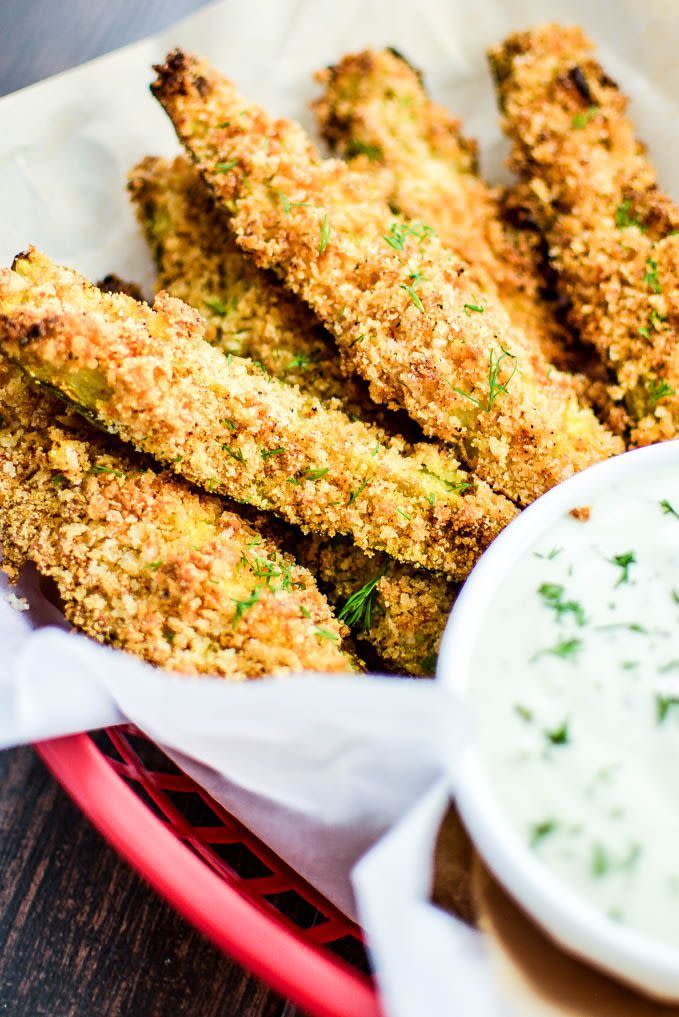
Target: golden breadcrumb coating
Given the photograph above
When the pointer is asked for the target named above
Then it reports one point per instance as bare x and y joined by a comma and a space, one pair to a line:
200, 264
399, 610
146, 374
375, 110
145, 563
397, 302
247, 312
612, 233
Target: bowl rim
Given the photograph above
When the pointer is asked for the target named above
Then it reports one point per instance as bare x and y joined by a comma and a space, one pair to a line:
576, 925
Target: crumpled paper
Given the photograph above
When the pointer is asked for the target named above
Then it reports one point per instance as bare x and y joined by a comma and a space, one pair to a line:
319, 767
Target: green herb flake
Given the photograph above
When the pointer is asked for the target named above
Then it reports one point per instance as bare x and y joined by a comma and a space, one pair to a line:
322, 633
357, 147
266, 453
235, 453
224, 167
357, 611
550, 555
315, 474
215, 305
624, 562
244, 605
663, 705
542, 830
400, 231
98, 469
495, 386
651, 277
402, 512
358, 492
410, 290
668, 509
625, 217
559, 735
553, 596
564, 649
325, 235
523, 712
469, 308
658, 389
585, 117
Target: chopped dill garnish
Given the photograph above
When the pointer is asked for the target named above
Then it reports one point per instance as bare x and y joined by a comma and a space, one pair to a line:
454, 486
671, 665
658, 389
228, 423
542, 830
153, 565
624, 562
559, 735
215, 305
601, 862
267, 452
651, 277
552, 594
410, 290
243, 605
288, 205
325, 235
468, 308
235, 453
59, 479
625, 217
663, 705
224, 167
301, 360
523, 712
315, 474
400, 231
306, 613
583, 118
97, 468
402, 512
358, 492
565, 649
357, 611
495, 387
357, 147
550, 554
668, 508
325, 634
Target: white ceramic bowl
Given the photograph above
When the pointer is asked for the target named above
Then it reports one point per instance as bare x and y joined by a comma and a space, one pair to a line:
566, 916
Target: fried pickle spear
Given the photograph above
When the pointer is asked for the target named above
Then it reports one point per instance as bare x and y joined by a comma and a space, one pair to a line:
247, 312
147, 374
396, 300
146, 564
612, 233
375, 111
399, 610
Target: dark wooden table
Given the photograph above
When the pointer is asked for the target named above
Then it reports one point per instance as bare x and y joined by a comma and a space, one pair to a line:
80, 934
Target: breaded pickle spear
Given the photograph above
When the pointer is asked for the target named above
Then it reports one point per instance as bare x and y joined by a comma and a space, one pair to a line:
612, 233
375, 110
145, 563
247, 312
397, 302
147, 374
399, 610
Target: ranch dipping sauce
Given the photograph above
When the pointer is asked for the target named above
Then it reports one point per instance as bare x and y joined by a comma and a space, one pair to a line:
575, 696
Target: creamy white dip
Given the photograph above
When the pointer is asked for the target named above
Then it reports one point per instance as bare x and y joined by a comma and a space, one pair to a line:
575, 695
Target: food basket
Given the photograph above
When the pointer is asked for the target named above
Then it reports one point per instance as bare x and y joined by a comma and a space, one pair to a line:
209, 867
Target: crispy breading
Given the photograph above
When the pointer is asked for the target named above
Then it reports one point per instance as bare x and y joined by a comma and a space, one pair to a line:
146, 564
399, 610
247, 311
250, 313
147, 374
397, 302
375, 110
612, 233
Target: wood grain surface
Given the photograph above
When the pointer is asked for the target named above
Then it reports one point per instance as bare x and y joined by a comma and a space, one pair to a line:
80, 934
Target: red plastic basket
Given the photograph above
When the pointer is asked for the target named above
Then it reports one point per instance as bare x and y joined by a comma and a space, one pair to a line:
215, 872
